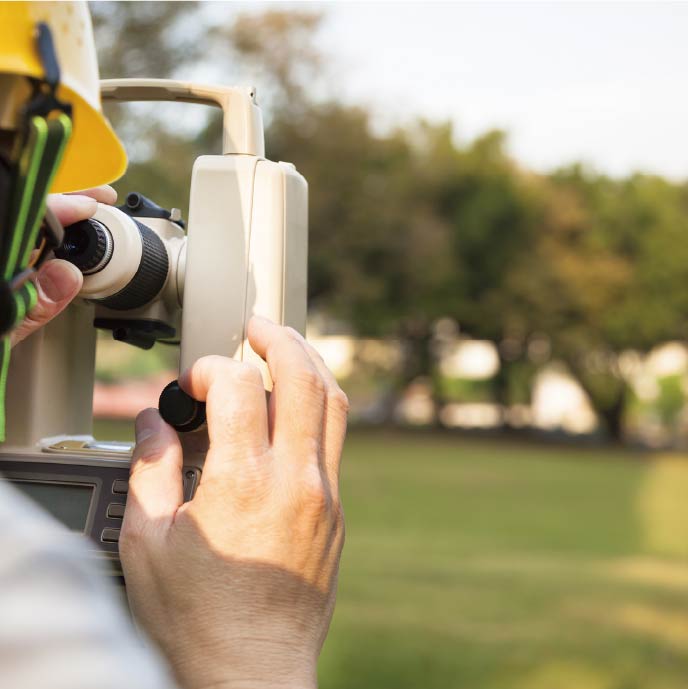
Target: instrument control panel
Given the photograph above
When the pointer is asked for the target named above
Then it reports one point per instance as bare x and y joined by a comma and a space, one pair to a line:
87, 494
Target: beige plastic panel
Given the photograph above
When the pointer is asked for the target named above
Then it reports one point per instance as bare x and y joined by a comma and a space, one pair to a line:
278, 251
216, 254
246, 254
50, 382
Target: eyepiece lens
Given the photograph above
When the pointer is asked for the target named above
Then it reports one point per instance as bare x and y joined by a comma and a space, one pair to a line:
86, 244
76, 242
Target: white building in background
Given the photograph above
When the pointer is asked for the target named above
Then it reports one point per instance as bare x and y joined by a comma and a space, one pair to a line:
558, 401
337, 351
471, 360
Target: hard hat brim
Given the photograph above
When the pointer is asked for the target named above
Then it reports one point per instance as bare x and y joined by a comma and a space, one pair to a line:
94, 154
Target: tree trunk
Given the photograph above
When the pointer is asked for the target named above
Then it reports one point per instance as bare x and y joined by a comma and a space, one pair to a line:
417, 361
500, 388
608, 399
613, 417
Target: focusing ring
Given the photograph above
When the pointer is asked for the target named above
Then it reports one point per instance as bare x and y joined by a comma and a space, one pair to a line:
150, 277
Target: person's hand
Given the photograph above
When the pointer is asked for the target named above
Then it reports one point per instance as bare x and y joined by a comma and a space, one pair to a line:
237, 586
58, 281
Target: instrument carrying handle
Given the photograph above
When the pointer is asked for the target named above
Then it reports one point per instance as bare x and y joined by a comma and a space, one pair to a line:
242, 119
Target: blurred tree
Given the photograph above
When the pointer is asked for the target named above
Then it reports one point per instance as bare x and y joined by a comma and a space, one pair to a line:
151, 40
608, 273
480, 194
146, 39
409, 228
276, 48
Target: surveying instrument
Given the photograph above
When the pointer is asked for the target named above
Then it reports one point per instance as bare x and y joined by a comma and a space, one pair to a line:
150, 277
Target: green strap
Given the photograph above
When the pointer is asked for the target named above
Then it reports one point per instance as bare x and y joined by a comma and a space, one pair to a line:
38, 164
29, 164
59, 131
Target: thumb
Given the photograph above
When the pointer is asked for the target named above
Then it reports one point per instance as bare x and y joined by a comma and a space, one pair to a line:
58, 282
155, 480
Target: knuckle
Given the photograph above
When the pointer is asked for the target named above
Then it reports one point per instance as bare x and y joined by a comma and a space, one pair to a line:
338, 516
145, 454
210, 360
209, 365
246, 372
293, 334
314, 495
314, 352
338, 400
310, 381
236, 427
339, 526
340, 537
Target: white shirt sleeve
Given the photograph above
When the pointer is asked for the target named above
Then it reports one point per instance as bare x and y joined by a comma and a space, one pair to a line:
61, 624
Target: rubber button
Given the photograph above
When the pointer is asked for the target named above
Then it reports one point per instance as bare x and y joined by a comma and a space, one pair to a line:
110, 535
115, 510
120, 486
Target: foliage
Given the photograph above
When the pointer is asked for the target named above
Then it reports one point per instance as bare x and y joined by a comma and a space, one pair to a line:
671, 399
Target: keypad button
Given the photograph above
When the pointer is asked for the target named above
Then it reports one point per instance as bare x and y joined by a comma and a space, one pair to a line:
120, 486
109, 535
115, 510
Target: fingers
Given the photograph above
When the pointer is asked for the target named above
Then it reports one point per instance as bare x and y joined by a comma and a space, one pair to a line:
155, 481
336, 413
58, 282
71, 208
102, 194
298, 395
236, 410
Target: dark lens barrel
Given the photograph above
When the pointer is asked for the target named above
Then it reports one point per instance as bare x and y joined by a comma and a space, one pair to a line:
150, 277
88, 245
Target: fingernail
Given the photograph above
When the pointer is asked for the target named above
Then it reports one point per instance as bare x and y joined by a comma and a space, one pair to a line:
59, 280
147, 424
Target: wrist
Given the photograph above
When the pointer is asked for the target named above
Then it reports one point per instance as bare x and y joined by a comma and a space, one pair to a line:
247, 666
275, 683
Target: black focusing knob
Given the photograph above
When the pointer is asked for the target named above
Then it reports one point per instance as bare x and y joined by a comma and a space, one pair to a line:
180, 410
88, 245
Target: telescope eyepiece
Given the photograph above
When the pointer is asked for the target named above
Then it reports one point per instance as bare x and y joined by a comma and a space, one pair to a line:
88, 245
125, 262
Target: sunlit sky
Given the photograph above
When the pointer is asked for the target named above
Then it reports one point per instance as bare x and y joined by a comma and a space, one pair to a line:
605, 83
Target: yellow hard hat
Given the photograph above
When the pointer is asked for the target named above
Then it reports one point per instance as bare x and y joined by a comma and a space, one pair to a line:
94, 154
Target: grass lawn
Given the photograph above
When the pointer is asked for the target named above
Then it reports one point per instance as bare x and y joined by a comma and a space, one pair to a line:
489, 565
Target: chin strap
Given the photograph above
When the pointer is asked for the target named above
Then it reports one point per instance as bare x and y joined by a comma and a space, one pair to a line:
46, 131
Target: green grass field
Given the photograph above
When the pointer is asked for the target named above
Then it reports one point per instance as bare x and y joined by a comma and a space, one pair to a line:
490, 565
485, 565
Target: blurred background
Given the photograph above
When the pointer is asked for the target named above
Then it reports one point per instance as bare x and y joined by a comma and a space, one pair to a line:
498, 276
